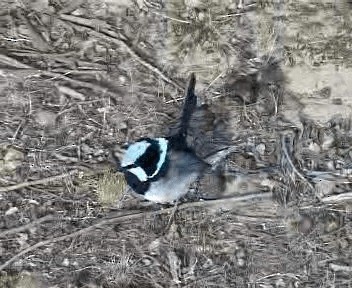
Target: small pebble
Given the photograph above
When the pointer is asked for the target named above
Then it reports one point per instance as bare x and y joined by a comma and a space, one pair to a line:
260, 148
241, 262
314, 147
337, 101
65, 263
34, 202
98, 152
11, 211
331, 226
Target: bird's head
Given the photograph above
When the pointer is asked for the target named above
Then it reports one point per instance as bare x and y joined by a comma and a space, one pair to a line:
143, 158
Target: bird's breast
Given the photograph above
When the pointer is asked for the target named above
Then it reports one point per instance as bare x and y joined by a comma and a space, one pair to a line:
184, 169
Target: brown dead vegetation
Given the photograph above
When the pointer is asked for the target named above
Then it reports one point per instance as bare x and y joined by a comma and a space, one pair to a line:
78, 77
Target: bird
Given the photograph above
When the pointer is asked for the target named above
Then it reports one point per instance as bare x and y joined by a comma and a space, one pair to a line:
162, 169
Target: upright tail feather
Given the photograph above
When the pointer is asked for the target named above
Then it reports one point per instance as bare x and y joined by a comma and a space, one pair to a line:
189, 104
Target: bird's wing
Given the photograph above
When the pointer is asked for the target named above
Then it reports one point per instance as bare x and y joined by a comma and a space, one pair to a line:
207, 133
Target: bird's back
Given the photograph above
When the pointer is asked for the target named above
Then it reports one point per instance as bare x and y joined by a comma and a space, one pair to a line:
184, 169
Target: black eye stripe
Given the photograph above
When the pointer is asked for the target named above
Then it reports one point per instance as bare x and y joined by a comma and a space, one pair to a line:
149, 160
150, 163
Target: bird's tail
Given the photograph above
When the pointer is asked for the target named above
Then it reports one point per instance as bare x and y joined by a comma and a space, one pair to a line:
189, 105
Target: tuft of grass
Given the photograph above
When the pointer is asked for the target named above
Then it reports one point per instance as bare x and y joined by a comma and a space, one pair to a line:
8, 281
110, 187
23, 280
119, 271
26, 281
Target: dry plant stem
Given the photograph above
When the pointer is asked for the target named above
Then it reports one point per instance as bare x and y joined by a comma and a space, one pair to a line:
171, 18
149, 66
293, 166
338, 198
200, 280
77, 82
257, 196
72, 6
341, 268
120, 40
27, 226
54, 75
13, 63
172, 216
37, 182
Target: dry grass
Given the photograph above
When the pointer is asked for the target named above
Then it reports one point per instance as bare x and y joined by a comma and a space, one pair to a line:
25, 280
110, 188
120, 272
78, 78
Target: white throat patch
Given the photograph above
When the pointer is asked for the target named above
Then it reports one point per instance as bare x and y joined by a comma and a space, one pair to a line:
139, 173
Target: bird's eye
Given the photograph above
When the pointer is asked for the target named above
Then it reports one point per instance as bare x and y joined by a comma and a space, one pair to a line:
125, 146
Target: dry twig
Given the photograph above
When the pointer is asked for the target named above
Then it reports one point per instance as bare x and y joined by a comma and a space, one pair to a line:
250, 197
338, 198
27, 226
38, 182
293, 166
120, 40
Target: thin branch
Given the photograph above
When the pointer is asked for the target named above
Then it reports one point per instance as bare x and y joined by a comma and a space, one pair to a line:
340, 268
338, 198
39, 73
27, 226
171, 18
37, 182
250, 197
214, 80
229, 15
120, 40
8, 61
293, 166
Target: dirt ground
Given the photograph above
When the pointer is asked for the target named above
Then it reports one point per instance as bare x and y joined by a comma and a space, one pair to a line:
273, 83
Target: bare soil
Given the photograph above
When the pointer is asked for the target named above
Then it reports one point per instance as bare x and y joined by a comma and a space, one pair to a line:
274, 84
